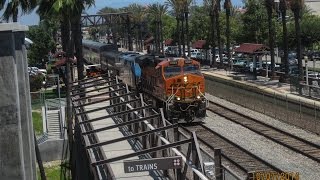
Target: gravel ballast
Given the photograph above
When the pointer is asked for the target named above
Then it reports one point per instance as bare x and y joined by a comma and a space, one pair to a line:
268, 120
274, 153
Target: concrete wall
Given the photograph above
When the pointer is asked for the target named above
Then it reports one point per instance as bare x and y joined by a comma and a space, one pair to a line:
52, 150
291, 109
17, 155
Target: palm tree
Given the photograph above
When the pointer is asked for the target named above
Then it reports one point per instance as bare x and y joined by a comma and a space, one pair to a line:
296, 7
176, 5
158, 10
216, 13
69, 12
180, 9
283, 10
210, 5
13, 7
79, 6
138, 15
227, 6
186, 16
269, 5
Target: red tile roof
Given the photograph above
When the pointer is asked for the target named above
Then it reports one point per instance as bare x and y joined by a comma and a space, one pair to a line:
251, 48
149, 40
199, 44
168, 42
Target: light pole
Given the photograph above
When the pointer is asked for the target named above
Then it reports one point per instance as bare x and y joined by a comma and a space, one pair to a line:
306, 65
267, 68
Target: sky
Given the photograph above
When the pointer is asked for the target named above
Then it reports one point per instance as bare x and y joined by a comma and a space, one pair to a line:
33, 18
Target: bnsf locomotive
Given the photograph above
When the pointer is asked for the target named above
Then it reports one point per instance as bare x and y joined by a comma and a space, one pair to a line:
175, 84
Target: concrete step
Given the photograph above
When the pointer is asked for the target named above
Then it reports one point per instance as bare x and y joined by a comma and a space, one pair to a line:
53, 122
53, 125
56, 127
53, 117
54, 133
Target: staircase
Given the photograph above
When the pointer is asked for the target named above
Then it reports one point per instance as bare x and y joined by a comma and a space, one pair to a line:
53, 124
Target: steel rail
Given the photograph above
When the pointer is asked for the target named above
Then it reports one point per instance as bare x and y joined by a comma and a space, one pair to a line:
311, 150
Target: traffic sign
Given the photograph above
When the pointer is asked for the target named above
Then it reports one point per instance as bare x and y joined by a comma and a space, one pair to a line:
140, 165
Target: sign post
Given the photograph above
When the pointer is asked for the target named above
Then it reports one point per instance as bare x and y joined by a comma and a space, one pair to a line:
152, 164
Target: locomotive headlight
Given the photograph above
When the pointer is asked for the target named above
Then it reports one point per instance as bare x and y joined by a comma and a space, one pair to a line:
178, 98
185, 79
198, 97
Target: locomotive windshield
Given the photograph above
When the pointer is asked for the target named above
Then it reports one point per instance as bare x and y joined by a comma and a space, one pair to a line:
193, 69
172, 71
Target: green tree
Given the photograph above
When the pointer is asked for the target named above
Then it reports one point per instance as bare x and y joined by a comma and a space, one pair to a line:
228, 6
137, 16
296, 7
157, 11
70, 13
217, 9
283, 9
269, 6
42, 44
168, 26
13, 7
107, 10
199, 24
177, 8
255, 22
210, 7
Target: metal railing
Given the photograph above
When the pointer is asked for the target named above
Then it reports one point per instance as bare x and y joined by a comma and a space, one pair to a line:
310, 89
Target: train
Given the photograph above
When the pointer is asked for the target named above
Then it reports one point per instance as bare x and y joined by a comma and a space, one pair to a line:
175, 84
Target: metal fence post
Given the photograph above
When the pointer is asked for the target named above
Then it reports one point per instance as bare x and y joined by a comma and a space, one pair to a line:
315, 116
287, 107
264, 111
274, 104
176, 139
195, 159
217, 164
300, 109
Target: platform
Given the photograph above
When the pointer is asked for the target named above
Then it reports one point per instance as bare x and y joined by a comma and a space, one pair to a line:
260, 85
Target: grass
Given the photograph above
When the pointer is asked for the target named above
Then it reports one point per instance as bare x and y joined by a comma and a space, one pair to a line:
37, 122
52, 172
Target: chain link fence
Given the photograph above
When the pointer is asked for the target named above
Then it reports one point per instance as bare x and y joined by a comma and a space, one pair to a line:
283, 107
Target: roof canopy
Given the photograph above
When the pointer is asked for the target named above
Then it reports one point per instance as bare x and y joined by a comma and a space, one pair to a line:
200, 44
168, 42
149, 40
251, 48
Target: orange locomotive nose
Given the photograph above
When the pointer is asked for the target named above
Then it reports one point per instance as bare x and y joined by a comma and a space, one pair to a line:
186, 86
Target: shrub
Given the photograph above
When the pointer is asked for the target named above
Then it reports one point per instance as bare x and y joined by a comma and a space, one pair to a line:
36, 82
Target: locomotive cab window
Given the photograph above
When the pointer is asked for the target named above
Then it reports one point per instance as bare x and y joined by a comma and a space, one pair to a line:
172, 71
194, 69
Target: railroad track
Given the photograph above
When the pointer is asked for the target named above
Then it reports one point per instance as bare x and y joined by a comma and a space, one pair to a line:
231, 153
286, 139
